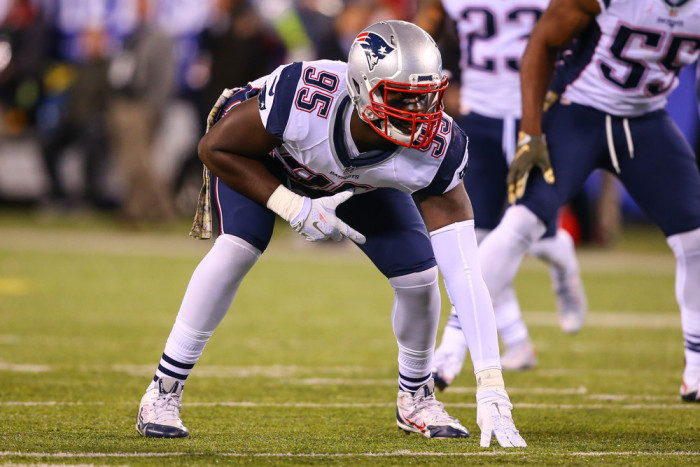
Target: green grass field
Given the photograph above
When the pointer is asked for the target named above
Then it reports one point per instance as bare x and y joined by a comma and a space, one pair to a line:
303, 368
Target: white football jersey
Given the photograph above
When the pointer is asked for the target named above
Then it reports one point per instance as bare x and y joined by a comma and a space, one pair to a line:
628, 62
493, 35
306, 105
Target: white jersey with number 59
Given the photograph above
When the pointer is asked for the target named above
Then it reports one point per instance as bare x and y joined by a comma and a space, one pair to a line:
493, 35
627, 62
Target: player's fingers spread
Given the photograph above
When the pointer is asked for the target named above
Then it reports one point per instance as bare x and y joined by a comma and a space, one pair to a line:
518, 441
485, 439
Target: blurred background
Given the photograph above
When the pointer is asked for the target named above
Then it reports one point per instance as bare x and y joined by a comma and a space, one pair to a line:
102, 102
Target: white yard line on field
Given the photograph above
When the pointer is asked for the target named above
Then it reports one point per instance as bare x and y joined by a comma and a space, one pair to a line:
611, 319
23, 368
84, 455
612, 404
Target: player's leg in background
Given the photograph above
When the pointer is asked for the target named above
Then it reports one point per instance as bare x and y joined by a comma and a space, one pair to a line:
557, 249
484, 181
398, 244
573, 158
664, 180
244, 233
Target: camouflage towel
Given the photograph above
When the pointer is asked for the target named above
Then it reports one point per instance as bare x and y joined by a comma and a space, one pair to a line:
201, 227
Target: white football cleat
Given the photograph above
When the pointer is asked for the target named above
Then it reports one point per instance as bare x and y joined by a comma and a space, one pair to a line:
449, 357
422, 413
159, 414
572, 305
519, 356
690, 388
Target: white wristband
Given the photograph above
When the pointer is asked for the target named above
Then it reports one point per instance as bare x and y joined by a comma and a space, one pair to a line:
489, 380
285, 203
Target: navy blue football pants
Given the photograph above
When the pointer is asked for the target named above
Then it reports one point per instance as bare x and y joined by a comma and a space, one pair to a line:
485, 177
397, 240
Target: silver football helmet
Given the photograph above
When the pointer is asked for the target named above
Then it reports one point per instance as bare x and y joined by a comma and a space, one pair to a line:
395, 81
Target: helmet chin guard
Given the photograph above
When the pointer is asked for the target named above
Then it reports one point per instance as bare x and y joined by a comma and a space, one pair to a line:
395, 81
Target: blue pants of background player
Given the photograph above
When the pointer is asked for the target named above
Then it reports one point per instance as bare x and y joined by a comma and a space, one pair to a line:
492, 144
657, 166
485, 177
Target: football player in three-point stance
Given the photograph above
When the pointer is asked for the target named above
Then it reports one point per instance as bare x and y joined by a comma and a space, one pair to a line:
612, 86
492, 38
347, 150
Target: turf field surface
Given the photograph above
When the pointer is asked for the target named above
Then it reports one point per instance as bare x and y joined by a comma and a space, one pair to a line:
303, 368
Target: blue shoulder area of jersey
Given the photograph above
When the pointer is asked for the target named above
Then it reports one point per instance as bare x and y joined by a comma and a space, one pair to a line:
281, 92
451, 162
239, 95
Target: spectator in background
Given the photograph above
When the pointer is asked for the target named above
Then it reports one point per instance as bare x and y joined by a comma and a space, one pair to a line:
355, 15
22, 53
237, 47
142, 78
185, 21
72, 114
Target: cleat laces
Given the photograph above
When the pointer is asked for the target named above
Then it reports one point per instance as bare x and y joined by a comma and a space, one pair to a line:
430, 411
166, 407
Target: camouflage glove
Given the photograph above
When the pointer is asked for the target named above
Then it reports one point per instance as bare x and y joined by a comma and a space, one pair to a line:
532, 151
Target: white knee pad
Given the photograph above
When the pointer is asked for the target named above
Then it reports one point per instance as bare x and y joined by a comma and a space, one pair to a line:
416, 309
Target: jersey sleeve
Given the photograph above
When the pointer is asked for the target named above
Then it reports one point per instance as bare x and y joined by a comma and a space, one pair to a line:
454, 162
277, 96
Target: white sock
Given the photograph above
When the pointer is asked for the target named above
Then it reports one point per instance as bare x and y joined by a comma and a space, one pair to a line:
453, 340
509, 320
559, 252
686, 248
502, 251
500, 255
414, 318
215, 282
511, 327
208, 297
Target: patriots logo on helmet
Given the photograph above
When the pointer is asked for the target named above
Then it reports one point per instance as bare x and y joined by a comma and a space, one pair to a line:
375, 47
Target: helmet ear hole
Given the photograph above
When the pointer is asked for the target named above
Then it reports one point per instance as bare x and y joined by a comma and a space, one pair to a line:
357, 86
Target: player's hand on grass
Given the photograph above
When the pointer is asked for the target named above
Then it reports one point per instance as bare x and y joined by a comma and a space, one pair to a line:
532, 151
494, 419
317, 220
